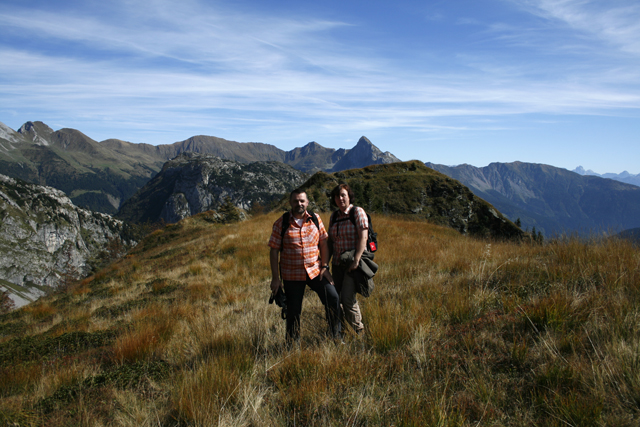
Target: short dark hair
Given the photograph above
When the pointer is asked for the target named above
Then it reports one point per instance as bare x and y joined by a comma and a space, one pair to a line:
296, 192
336, 191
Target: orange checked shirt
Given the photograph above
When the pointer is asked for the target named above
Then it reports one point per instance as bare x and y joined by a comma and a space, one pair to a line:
300, 254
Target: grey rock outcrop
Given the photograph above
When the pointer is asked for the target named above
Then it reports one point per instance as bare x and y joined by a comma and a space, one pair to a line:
193, 183
45, 239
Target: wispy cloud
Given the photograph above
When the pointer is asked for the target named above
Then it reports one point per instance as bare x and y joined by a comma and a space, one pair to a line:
164, 64
616, 22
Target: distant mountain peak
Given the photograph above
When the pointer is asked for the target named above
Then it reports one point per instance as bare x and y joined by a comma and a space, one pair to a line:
625, 176
364, 141
362, 155
580, 171
37, 132
312, 147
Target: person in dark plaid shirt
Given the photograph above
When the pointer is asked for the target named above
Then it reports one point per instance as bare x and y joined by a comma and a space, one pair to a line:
304, 261
346, 236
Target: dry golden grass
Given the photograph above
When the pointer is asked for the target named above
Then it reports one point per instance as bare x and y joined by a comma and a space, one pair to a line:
459, 332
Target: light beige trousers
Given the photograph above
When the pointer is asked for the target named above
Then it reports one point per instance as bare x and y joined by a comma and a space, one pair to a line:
346, 286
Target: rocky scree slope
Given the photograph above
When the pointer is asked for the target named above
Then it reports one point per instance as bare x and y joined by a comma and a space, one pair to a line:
193, 183
45, 239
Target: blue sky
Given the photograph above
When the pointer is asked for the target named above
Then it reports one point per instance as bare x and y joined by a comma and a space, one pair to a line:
454, 81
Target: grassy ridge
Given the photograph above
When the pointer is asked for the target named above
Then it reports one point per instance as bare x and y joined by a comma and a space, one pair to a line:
460, 332
413, 190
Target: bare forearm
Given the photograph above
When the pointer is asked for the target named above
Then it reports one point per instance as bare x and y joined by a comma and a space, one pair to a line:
324, 252
361, 244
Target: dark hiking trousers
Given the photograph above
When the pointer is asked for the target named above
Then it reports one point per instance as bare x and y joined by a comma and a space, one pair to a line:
294, 290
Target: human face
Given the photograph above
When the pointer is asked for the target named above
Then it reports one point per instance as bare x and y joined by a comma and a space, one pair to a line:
342, 200
299, 204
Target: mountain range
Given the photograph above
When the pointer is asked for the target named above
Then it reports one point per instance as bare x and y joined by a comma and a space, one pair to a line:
102, 175
551, 199
622, 177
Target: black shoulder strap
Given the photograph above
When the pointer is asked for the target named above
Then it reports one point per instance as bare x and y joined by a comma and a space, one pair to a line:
332, 220
314, 219
286, 222
352, 216
285, 226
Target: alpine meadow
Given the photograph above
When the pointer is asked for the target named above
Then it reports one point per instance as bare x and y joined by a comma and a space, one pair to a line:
149, 150
461, 331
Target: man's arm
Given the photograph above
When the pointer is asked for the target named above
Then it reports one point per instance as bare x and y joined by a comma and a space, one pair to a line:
324, 260
275, 271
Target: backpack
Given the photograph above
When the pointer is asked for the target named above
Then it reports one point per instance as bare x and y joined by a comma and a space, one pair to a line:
285, 224
372, 236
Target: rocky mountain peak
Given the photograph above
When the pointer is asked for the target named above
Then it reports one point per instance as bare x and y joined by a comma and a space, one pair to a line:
312, 147
37, 132
364, 141
364, 154
624, 176
581, 171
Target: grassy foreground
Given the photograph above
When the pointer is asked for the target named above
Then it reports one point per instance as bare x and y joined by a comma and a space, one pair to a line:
460, 332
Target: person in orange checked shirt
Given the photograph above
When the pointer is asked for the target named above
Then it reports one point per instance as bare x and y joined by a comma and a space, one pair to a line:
300, 256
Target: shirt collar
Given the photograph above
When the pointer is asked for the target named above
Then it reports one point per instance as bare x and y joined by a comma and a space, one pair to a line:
305, 217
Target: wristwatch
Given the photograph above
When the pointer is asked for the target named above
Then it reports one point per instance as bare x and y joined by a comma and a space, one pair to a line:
326, 266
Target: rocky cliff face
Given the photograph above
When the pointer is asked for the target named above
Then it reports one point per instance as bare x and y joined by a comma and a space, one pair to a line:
193, 183
45, 239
